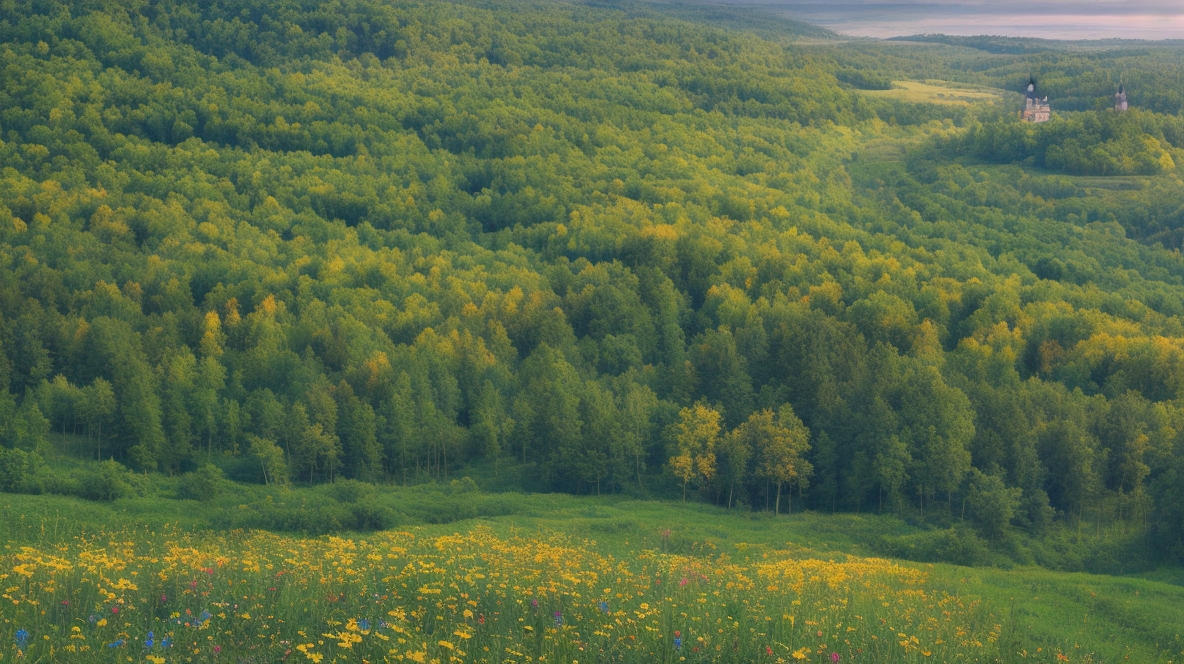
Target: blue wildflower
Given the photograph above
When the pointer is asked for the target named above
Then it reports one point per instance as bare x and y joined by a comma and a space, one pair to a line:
166, 642
364, 624
116, 644
603, 606
205, 616
150, 641
22, 638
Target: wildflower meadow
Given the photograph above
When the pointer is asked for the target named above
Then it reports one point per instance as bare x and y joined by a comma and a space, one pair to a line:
475, 597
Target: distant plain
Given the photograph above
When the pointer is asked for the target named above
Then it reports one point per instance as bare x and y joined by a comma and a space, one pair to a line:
1155, 19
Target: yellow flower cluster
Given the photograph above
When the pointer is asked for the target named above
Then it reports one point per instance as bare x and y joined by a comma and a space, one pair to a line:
468, 597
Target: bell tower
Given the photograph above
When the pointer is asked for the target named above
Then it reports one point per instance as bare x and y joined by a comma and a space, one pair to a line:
1035, 108
1120, 104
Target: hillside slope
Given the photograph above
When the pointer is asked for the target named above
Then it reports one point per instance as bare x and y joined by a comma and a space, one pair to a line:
378, 241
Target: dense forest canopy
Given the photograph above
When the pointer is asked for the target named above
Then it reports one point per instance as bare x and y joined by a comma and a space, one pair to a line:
611, 248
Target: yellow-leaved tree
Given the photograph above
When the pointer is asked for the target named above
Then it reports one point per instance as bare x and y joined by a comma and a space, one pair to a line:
697, 431
781, 441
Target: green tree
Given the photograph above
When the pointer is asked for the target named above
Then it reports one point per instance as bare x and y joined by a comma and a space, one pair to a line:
735, 452
30, 428
358, 427
991, 504
270, 458
492, 426
400, 430
637, 405
209, 382
117, 349
96, 406
552, 389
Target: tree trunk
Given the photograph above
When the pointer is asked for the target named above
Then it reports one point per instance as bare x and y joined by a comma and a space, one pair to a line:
777, 505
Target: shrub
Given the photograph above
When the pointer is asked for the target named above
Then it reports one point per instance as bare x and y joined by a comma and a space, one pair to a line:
960, 546
202, 484
310, 514
368, 516
463, 485
18, 471
106, 481
350, 491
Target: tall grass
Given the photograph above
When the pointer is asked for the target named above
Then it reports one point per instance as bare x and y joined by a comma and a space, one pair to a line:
659, 568
172, 596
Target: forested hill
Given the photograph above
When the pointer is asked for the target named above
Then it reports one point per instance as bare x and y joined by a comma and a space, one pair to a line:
616, 251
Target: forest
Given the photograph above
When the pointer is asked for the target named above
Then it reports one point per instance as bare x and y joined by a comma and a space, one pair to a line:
589, 249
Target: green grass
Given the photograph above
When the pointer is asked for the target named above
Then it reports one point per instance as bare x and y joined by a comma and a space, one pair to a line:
937, 92
1091, 617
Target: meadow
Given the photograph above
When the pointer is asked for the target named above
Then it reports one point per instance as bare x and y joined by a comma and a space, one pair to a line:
561, 579
937, 92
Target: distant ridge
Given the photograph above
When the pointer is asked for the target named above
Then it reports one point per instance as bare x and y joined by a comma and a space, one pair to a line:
1022, 45
754, 20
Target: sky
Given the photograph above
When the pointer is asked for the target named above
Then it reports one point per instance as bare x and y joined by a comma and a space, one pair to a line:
1050, 19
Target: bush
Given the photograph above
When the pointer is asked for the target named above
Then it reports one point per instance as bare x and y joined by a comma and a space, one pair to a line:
350, 491
463, 485
107, 481
958, 545
202, 484
244, 469
308, 513
315, 519
18, 471
369, 516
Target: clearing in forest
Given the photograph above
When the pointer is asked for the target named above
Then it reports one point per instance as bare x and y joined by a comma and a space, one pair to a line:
937, 92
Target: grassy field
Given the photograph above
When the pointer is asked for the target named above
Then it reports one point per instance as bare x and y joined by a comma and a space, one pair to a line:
936, 92
551, 578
